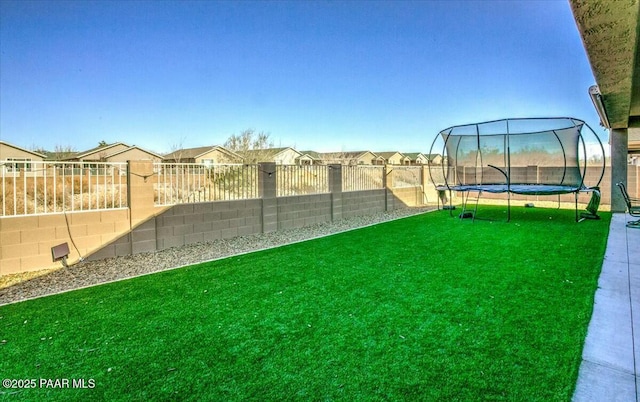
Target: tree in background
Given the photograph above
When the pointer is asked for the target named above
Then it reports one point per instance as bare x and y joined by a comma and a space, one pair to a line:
59, 153
177, 149
63, 152
251, 145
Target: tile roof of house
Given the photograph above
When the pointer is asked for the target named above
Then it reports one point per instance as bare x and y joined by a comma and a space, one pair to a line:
41, 155
268, 151
96, 149
388, 154
347, 155
265, 154
187, 153
136, 147
414, 155
313, 154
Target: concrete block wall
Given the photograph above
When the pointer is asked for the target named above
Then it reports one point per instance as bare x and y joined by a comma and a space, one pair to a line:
407, 197
519, 174
26, 241
140, 193
303, 210
196, 223
357, 203
267, 188
335, 189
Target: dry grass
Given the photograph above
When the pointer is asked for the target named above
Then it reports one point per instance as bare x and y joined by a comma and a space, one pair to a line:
30, 195
198, 183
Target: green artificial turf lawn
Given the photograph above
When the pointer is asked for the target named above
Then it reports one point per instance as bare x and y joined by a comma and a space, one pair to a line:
423, 308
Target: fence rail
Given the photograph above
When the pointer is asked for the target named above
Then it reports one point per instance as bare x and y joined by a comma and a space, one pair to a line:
179, 183
52, 187
301, 180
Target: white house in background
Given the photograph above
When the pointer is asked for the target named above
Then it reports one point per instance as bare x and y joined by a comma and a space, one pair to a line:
13, 158
394, 158
435, 159
417, 158
280, 156
310, 158
206, 155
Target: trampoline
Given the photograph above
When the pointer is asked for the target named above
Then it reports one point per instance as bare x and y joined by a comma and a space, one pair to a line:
526, 156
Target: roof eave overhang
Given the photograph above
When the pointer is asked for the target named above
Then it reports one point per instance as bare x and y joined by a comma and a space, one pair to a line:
610, 32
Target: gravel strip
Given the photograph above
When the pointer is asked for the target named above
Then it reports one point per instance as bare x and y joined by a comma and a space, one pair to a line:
90, 273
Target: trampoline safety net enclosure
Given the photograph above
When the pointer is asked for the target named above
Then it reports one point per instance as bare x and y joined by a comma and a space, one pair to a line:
496, 157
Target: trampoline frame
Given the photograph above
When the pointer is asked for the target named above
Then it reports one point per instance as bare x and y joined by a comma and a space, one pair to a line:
509, 188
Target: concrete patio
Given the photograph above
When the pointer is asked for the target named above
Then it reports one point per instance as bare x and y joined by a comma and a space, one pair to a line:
611, 356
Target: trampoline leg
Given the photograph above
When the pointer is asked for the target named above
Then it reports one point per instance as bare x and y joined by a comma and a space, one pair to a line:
576, 194
464, 204
443, 198
509, 207
475, 211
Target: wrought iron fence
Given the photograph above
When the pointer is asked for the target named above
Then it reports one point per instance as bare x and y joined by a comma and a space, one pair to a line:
301, 180
48, 187
358, 178
179, 183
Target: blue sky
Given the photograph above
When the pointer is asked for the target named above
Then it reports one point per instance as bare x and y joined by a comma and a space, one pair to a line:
325, 75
